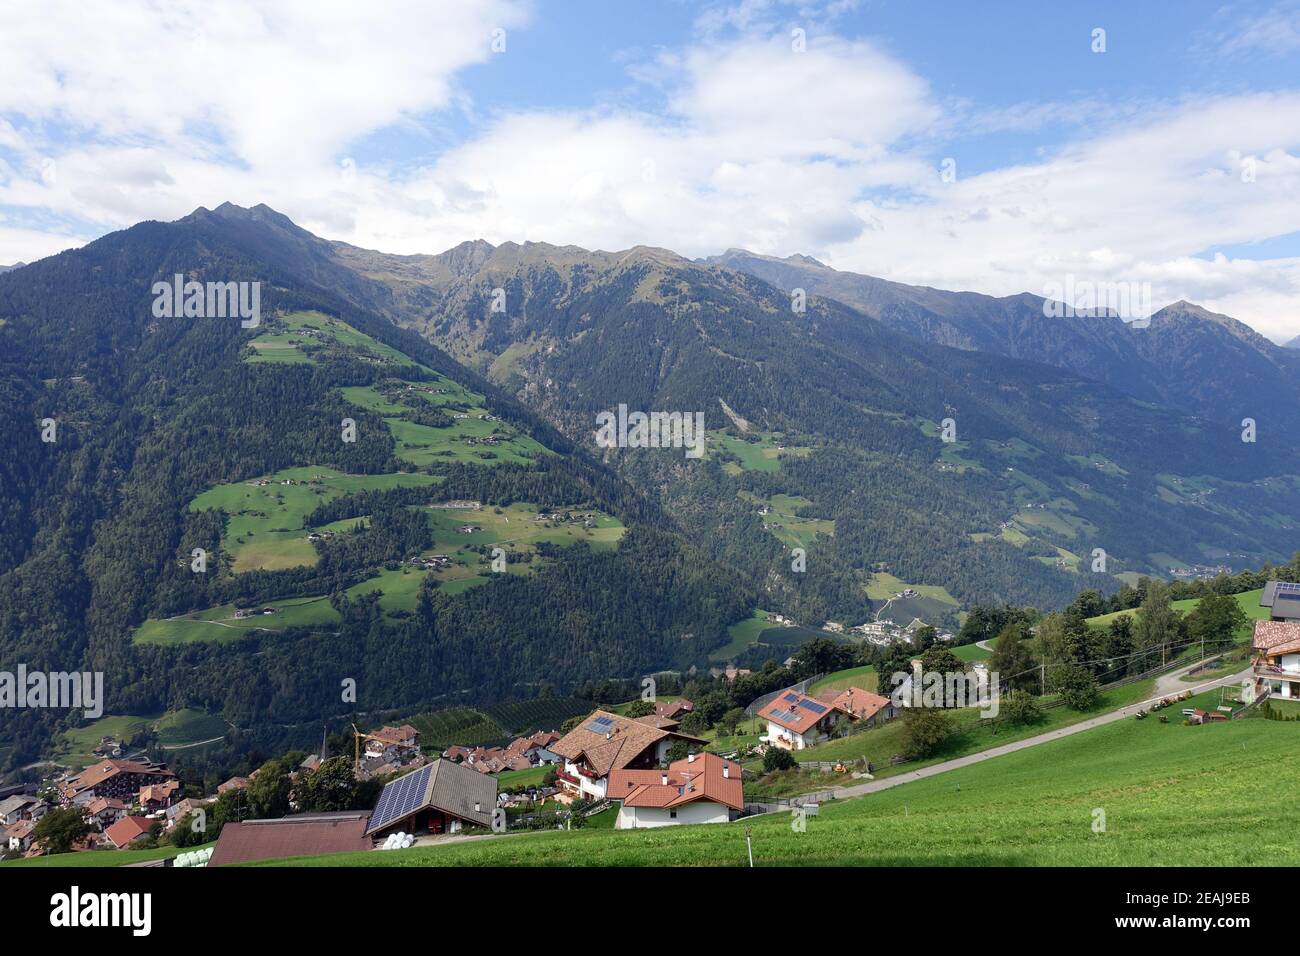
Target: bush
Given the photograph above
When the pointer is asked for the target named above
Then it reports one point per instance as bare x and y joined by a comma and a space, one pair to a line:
1019, 708
925, 729
778, 759
1077, 687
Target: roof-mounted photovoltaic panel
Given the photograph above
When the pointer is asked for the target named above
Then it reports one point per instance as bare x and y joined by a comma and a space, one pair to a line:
815, 707
602, 725
402, 796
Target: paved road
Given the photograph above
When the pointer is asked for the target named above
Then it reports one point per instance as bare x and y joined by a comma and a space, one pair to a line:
1165, 686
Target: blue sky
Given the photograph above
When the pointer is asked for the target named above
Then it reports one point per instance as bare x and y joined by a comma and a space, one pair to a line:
1170, 159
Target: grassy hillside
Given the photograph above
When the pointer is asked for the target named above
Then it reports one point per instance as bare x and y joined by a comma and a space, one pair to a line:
1249, 601
1171, 795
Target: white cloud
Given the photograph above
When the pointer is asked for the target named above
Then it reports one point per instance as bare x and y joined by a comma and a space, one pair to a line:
832, 152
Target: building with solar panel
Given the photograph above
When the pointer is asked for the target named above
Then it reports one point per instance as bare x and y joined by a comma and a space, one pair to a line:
442, 797
1276, 642
796, 721
605, 742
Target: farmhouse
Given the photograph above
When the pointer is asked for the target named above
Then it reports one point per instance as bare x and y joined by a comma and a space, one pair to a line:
796, 721
106, 811
306, 834
439, 798
701, 788
393, 744
605, 742
861, 705
19, 836
1277, 657
674, 709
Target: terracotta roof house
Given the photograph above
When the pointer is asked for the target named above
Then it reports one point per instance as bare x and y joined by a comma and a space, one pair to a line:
701, 788
1277, 658
438, 798
234, 783
158, 796
127, 830
795, 721
121, 779
18, 836
674, 709
862, 705
306, 834
107, 810
604, 742
655, 720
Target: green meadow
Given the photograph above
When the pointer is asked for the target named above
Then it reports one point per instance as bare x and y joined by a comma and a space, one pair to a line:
1132, 793
265, 527
1248, 600
296, 338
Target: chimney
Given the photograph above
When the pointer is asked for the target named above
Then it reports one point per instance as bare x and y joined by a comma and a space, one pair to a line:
726, 771
478, 807
690, 757
663, 779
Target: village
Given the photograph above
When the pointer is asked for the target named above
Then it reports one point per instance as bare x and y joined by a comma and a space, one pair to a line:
645, 763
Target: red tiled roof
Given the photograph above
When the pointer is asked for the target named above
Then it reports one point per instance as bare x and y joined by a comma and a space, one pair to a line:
302, 835
234, 783
856, 702
795, 714
688, 780
127, 830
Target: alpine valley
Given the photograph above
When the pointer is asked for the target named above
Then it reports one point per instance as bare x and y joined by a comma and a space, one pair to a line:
202, 529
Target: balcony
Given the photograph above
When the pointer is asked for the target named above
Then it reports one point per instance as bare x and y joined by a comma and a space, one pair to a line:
1263, 669
567, 777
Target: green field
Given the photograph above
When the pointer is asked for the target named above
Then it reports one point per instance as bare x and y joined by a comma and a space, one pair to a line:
787, 526
1171, 795
764, 454
456, 725
460, 441
220, 624
102, 858
176, 728
298, 337
861, 677
742, 634
1249, 601
265, 528
879, 744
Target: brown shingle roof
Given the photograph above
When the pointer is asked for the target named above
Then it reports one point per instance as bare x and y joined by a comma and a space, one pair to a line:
623, 740
1276, 637
108, 769
301, 835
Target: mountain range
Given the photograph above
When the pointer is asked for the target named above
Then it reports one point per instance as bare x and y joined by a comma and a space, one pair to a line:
476, 542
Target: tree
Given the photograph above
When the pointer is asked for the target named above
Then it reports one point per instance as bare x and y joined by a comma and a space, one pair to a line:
640, 708
1013, 661
184, 834
924, 638
732, 719
1215, 620
924, 731
1076, 685
268, 792
59, 829
677, 751
1157, 623
695, 723
233, 806
329, 787
777, 758
942, 662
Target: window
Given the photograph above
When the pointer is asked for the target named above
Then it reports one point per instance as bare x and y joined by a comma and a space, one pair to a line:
672, 814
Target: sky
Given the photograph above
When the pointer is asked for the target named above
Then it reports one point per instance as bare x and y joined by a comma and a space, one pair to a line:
998, 147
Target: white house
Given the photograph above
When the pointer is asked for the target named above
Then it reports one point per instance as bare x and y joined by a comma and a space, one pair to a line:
796, 721
1277, 660
701, 788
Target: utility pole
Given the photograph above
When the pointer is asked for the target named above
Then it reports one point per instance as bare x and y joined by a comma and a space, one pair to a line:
1042, 678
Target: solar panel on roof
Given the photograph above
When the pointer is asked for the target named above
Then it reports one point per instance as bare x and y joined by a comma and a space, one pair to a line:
815, 707
401, 797
792, 697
